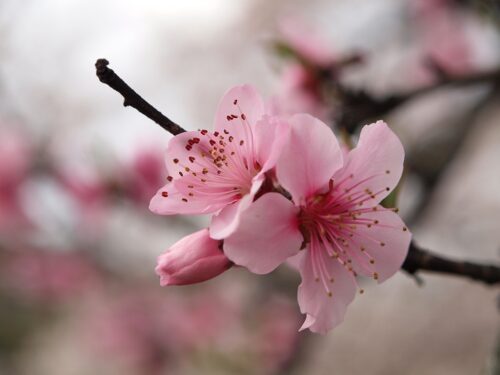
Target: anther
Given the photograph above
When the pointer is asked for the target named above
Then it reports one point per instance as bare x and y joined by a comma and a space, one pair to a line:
169, 178
243, 117
191, 159
176, 161
164, 194
184, 200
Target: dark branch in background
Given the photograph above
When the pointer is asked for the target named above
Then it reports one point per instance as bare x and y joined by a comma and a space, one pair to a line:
423, 260
132, 99
417, 260
359, 107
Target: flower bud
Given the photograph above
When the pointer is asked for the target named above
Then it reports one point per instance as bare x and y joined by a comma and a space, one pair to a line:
193, 259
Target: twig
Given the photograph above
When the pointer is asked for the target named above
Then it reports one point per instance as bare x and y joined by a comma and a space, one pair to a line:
132, 99
424, 260
417, 260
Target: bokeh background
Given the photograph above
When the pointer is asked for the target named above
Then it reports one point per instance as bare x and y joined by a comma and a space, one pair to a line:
78, 246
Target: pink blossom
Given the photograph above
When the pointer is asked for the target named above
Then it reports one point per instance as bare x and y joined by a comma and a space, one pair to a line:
306, 42
301, 92
16, 157
145, 174
335, 212
47, 275
193, 259
443, 35
220, 172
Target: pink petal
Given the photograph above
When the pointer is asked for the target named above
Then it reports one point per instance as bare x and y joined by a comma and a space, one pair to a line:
375, 165
389, 231
177, 155
267, 234
240, 100
227, 220
309, 158
169, 201
324, 312
270, 135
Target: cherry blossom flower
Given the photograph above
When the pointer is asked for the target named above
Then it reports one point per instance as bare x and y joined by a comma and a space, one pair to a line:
335, 217
220, 172
193, 259
17, 155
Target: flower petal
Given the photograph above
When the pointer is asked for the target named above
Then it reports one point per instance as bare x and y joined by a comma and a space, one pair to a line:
324, 312
309, 158
240, 100
374, 167
386, 241
178, 155
225, 222
270, 135
266, 236
169, 201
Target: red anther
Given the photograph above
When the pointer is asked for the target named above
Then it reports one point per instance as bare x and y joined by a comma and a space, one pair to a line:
228, 118
235, 101
170, 178
176, 161
164, 194
191, 159
243, 117
204, 131
188, 147
196, 140
216, 134
212, 142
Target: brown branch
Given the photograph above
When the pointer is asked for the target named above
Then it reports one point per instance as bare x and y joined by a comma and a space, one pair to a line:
359, 106
132, 99
419, 259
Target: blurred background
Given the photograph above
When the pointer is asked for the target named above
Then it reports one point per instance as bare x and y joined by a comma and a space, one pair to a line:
78, 246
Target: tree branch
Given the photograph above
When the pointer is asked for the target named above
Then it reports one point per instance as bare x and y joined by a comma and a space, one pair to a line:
417, 259
132, 99
423, 260
360, 106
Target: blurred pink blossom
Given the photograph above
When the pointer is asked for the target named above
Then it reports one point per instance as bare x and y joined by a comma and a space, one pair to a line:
335, 211
193, 259
145, 174
15, 162
442, 32
47, 276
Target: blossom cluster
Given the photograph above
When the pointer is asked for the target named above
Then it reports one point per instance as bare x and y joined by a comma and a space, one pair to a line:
282, 189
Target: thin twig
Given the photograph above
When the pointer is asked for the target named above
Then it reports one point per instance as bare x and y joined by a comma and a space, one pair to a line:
132, 99
419, 259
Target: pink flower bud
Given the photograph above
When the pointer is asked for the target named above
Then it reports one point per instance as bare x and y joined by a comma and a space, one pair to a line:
193, 259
